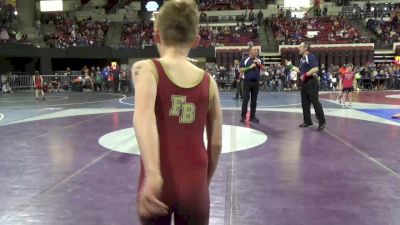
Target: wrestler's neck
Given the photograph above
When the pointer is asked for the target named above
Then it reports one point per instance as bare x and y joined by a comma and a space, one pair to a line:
173, 53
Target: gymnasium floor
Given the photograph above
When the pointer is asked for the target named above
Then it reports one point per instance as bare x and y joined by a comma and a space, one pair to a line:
72, 160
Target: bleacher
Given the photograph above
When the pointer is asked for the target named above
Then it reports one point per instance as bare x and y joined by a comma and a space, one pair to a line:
240, 34
9, 34
71, 32
137, 35
385, 29
211, 5
324, 30
226, 57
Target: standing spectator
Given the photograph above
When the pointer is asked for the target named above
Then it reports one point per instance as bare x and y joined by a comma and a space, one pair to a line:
98, 80
124, 81
368, 7
390, 78
238, 81
251, 15
395, 21
92, 73
203, 17
98, 76
260, 17
104, 75
288, 14
282, 77
110, 80
115, 70
85, 71
39, 27
317, 12
325, 12
325, 80
125, 19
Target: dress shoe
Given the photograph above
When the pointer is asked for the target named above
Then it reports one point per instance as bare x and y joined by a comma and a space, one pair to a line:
305, 125
321, 126
255, 120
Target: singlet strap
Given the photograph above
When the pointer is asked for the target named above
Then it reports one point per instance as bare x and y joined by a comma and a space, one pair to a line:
207, 80
164, 76
160, 70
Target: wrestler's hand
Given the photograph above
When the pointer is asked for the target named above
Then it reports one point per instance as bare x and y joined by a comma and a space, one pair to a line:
303, 77
149, 204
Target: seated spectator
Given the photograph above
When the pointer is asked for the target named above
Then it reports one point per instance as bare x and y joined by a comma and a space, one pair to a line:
5, 85
240, 34
71, 32
68, 72
88, 84
56, 82
330, 31
276, 82
208, 5
137, 35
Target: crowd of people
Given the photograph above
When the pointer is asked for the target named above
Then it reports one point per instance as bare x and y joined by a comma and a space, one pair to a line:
324, 30
380, 9
387, 32
369, 76
137, 35
92, 79
89, 79
8, 14
208, 5
277, 77
13, 36
73, 32
240, 34
250, 16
